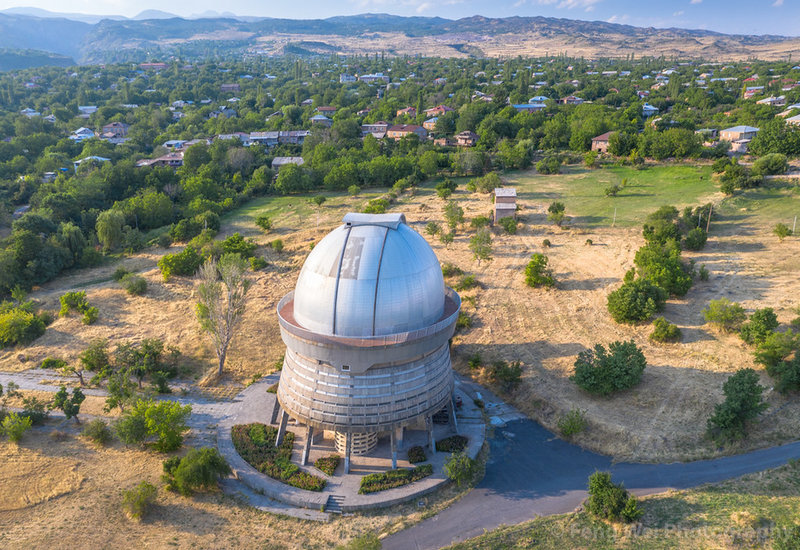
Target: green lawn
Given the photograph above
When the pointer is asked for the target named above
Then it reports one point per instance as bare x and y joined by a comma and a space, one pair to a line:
583, 191
746, 512
778, 202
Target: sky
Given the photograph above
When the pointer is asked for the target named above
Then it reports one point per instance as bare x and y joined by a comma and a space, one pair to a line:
729, 16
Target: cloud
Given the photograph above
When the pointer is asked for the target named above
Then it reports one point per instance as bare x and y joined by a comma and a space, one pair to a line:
696, 1
678, 13
777, 3
618, 18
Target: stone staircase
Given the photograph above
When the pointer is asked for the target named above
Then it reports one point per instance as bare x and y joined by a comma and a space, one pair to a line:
334, 504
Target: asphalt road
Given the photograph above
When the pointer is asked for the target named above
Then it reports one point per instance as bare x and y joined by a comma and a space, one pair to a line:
532, 473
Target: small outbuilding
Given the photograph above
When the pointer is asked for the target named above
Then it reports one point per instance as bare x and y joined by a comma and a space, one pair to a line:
505, 203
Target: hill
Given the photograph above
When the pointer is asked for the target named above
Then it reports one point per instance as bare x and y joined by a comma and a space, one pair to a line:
11, 60
155, 33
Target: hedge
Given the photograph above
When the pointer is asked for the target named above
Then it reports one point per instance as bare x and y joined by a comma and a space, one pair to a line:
390, 479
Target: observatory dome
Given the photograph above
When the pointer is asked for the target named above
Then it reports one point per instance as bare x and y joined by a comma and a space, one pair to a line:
372, 276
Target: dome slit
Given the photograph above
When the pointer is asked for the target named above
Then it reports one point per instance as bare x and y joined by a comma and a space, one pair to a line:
378, 281
339, 276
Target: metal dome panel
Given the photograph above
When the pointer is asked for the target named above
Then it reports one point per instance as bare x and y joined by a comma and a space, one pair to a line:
368, 279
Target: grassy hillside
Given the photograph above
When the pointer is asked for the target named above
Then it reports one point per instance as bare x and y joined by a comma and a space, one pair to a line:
12, 60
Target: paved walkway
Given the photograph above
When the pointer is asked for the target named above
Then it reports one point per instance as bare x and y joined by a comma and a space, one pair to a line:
532, 473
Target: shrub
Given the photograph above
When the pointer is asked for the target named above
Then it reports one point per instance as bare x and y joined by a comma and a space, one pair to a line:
449, 270
771, 164
445, 188
164, 240
612, 191
185, 230
73, 301
98, 431
776, 347
90, 315
664, 331
19, 327
186, 263
603, 372
36, 409
636, 301
662, 265
726, 315
119, 273
556, 212
95, 357
463, 321
479, 221
367, 541
549, 165
761, 324
15, 425
327, 464
135, 285
537, 272
509, 224
264, 223
236, 244
467, 283
787, 375
782, 231
460, 468
373, 483
703, 273
695, 239
255, 443
277, 245
546, 243
506, 375
199, 469
432, 228
574, 422
353, 190
53, 363
452, 444
743, 402
257, 263
611, 501
416, 454
136, 501
164, 421
589, 242
376, 206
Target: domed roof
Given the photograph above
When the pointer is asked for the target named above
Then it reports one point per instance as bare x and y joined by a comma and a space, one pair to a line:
372, 276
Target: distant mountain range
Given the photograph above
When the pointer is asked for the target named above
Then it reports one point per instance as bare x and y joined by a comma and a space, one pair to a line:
157, 34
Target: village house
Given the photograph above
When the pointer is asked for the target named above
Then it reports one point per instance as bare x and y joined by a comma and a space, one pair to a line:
538, 99
430, 124
399, 131
648, 110
306, 102
153, 66
570, 100
229, 88
444, 142
467, 139
410, 111
92, 159
795, 120
326, 110
505, 203
82, 134
529, 107
439, 110
171, 160
373, 77
773, 101
30, 113
243, 137
321, 120
377, 129
738, 132
600, 143
280, 162
346, 78
115, 129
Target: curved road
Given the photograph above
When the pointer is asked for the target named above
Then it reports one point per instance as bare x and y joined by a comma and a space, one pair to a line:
532, 473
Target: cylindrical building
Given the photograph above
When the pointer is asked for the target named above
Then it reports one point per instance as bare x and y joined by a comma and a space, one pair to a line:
367, 333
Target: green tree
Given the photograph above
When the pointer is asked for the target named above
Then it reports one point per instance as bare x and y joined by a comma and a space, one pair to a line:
481, 244
762, 322
782, 231
604, 372
70, 405
199, 469
453, 214
611, 501
460, 468
743, 402
222, 298
636, 301
164, 421
556, 212
109, 229
537, 272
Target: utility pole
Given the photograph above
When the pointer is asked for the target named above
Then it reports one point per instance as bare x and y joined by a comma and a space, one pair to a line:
708, 222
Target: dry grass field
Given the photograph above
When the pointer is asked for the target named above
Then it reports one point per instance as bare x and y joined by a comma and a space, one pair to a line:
60, 492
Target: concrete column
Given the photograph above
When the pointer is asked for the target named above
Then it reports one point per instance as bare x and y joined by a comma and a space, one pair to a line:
399, 436
276, 408
431, 440
393, 440
281, 428
453, 421
348, 447
307, 447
